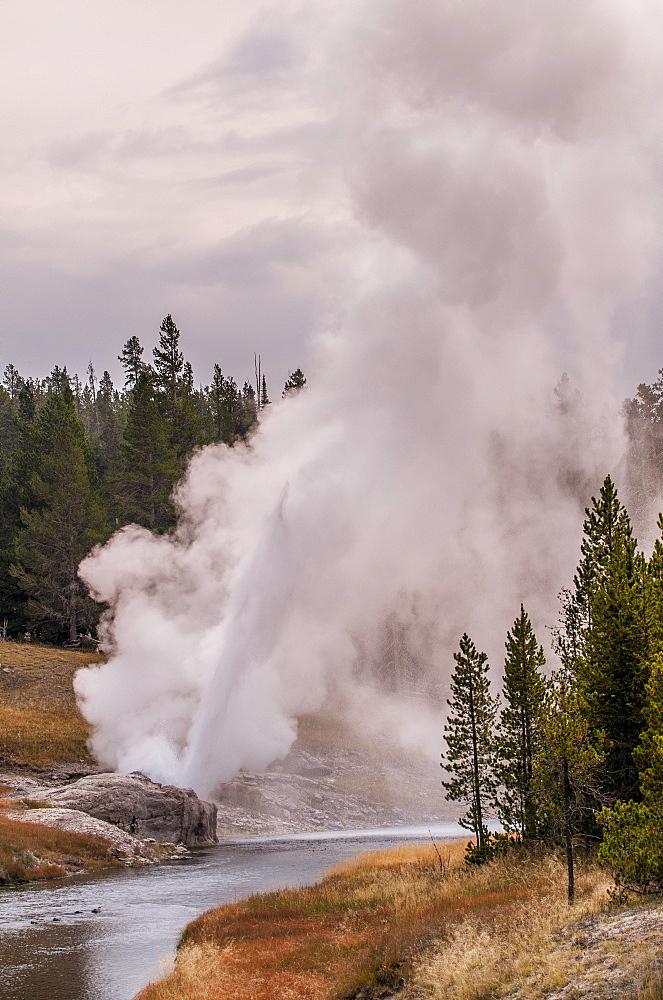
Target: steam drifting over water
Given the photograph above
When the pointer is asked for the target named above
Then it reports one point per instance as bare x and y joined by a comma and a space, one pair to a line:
500, 163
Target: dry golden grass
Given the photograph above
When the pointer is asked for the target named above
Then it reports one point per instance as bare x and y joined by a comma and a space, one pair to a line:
489, 955
359, 932
29, 851
651, 985
41, 739
40, 725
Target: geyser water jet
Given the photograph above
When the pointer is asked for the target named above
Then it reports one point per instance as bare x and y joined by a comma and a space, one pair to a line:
500, 164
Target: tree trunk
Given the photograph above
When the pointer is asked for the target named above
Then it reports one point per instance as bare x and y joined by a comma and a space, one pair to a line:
73, 624
475, 761
567, 833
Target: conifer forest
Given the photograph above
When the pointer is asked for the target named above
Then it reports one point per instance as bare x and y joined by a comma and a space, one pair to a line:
81, 457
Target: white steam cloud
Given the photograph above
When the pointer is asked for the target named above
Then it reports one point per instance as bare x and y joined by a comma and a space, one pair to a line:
500, 159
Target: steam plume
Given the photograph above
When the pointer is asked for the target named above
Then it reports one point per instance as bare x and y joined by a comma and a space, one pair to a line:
499, 162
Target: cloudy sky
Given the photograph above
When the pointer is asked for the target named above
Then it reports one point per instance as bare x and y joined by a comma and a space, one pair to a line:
164, 156
186, 156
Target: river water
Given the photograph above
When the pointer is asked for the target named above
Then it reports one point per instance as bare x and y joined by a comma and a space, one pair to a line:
54, 946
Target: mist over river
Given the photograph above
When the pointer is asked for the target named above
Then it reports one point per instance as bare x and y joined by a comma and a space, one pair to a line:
54, 947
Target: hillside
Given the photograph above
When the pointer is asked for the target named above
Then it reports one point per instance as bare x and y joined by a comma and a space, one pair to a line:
41, 729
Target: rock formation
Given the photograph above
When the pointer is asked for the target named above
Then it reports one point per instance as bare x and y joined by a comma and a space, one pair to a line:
141, 807
132, 803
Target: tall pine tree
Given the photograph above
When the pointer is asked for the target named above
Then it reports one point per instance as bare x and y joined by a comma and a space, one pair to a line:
567, 767
131, 360
295, 382
520, 729
469, 735
168, 361
633, 831
620, 638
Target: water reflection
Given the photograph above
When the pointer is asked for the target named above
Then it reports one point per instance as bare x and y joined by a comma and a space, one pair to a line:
54, 947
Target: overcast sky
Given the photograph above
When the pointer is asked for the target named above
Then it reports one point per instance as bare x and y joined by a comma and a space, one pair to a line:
163, 156
182, 156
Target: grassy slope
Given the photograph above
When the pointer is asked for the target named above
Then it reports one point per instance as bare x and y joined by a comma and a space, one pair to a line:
42, 729
40, 725
373, 923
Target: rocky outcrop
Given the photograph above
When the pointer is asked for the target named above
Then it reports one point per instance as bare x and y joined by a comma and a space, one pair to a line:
141, 807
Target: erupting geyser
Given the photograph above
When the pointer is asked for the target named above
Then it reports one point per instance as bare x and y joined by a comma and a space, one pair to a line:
500, 163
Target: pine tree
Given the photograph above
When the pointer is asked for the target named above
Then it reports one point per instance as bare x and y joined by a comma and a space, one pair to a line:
606, 526
569, 635
8, 431
521, 720
248, 412
148, 466
611, 625
105, 441
656, 560
57, 381
86, 410
92, 387
632, 844
12, 381
566, 398
168, 361
649, 753
215, 403
566, 772
18, 470
295, 382
469, 735
187, 380
264, 398
606, 520
187, 427
65, 522
131, 360
613, 671
224, 407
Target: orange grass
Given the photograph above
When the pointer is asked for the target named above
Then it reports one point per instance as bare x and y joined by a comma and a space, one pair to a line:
29, 851
356, 934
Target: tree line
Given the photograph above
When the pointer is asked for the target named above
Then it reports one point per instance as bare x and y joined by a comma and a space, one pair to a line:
577, 754
80, 458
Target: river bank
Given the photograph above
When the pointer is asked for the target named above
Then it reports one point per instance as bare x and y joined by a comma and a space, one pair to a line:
105, 936
40, 842
100, 820
414, 924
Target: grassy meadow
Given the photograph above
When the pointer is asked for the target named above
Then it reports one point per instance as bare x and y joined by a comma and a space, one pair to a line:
397, 920
40, 725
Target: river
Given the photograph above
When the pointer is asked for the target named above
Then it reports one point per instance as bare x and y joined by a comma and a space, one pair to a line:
104, 936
